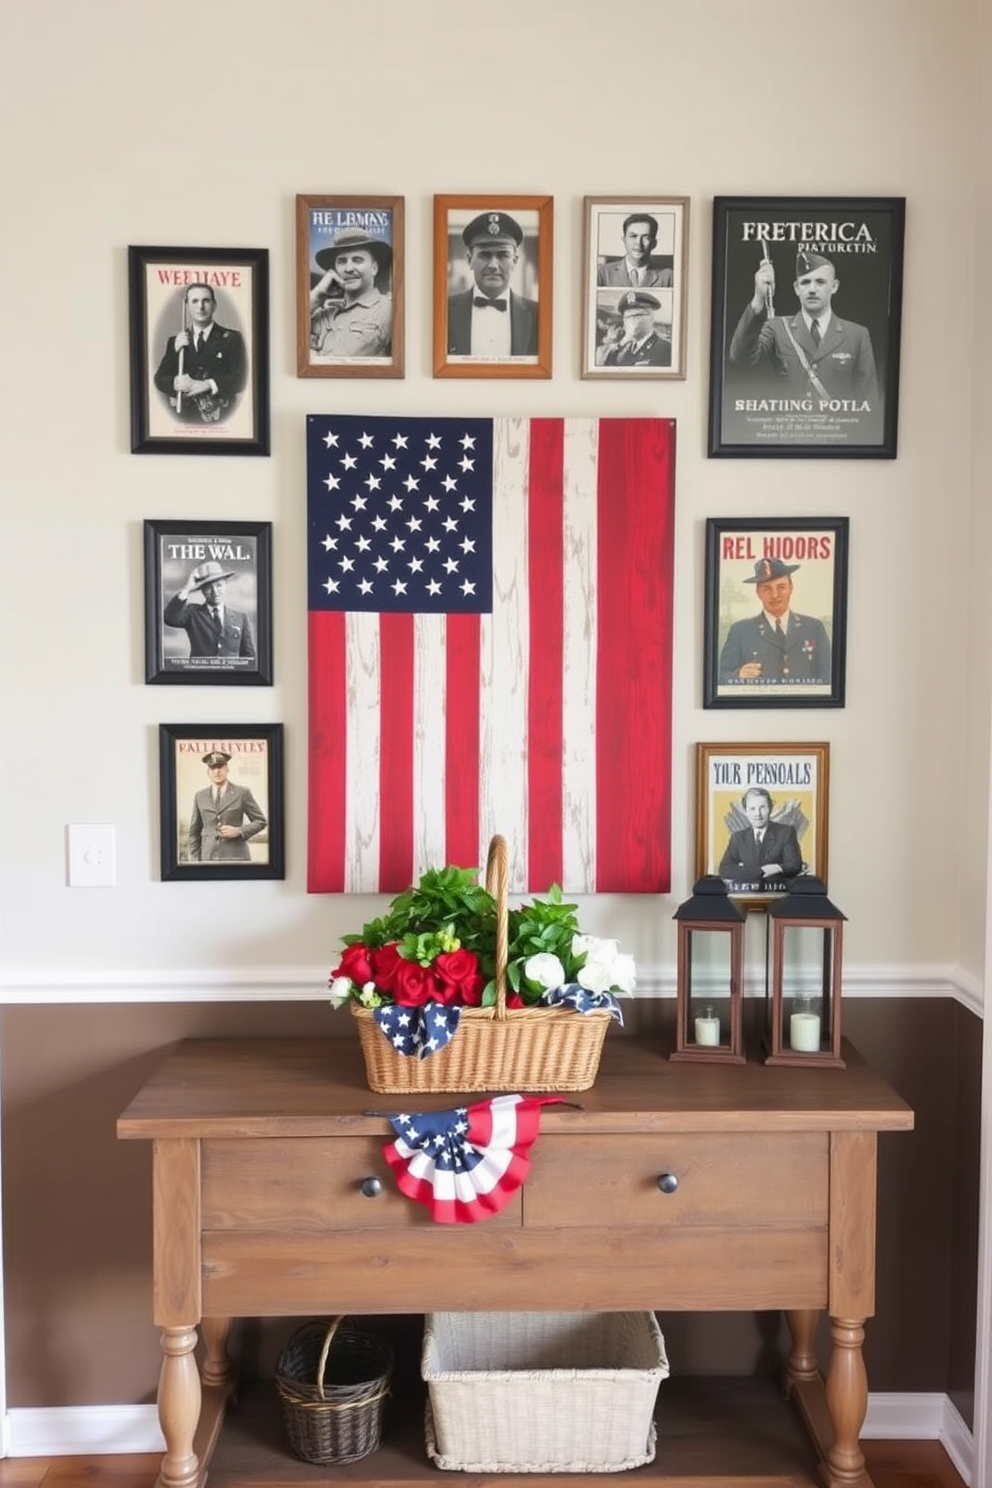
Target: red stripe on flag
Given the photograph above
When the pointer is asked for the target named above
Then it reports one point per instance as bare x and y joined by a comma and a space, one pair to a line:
545, 703
461, 739
328, 753
396, 683
634, 666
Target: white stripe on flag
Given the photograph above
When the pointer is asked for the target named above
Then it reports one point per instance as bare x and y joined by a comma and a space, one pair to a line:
362, 720
430, 704
579, 659
503, 702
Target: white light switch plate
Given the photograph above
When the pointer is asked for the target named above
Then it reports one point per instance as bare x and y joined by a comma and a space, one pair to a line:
92, 857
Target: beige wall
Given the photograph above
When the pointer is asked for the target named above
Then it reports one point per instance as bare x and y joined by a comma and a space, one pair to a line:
108, 144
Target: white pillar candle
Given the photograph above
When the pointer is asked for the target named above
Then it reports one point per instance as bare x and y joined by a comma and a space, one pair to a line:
804, 1032
708, 1031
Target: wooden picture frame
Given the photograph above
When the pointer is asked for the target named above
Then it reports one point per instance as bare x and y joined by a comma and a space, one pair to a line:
191, 568
777, 388
516, 277
239, 836
188, 398
635, 287
349, 286
750, 595
795, 780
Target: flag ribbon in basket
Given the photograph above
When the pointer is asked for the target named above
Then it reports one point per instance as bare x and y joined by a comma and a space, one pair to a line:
420, 1031
465, 1164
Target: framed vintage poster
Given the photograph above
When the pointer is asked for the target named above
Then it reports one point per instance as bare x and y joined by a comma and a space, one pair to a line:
208, 603
805, 329
349, 286
634, 287
761, 816
199, 320
493, 286
775, 622
221, 800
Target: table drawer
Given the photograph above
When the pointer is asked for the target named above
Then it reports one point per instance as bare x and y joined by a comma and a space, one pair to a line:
734, 1179
307, 1184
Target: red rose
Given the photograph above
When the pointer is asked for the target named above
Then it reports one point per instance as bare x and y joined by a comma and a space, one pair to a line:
459, 977
413, 984
385, 960
514, 1000
355, 963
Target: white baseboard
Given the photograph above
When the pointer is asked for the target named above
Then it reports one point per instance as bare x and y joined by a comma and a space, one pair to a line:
104, 1430
83, 1431
921, 1418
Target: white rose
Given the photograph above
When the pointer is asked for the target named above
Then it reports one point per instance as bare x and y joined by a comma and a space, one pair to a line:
624, 979
595, 976
340, 991
545, 969
593, 946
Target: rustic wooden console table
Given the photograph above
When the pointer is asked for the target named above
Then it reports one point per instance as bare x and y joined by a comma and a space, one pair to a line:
262, 1207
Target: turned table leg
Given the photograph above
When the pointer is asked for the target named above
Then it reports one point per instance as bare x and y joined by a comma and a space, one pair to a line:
801, 1364
179, 1408
217, 1367
847, 1402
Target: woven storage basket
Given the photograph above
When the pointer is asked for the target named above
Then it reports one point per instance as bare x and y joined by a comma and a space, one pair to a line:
542, 1392
333, 1384
495, 1048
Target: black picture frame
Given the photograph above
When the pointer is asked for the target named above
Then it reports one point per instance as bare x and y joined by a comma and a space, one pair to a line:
763, 401
745, 665
223, 414
255, 763
795, 780
191, 649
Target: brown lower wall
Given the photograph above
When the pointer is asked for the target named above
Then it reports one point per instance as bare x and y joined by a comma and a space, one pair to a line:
77, 1203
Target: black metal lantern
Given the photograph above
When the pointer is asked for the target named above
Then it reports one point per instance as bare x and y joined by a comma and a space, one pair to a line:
708, 979
803, 1015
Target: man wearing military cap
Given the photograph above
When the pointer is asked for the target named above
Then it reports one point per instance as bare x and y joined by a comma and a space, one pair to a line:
813, 353
216, 631
350, 316
640, 344
490, 320
225, 816
777, 645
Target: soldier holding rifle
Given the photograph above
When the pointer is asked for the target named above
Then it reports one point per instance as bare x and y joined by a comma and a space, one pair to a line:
203, 369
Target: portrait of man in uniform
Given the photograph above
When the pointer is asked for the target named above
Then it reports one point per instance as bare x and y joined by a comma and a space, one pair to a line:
775, 602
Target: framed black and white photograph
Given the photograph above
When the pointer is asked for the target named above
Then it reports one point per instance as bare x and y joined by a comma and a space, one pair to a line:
805, 326
775, 620
761, 816
208, 603
349, 286
634, 287
221, 801
493, 286
199, 350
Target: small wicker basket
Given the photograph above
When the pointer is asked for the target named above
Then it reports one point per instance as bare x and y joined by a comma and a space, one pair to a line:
496, 1048
333, 1383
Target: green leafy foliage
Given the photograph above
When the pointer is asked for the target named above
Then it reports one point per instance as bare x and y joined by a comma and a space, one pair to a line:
446, 910
542, 926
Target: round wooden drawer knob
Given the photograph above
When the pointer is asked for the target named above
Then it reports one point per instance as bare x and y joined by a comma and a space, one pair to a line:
668, 1182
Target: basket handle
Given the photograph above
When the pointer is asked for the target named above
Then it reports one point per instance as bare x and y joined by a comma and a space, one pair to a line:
497, 876
333, 1327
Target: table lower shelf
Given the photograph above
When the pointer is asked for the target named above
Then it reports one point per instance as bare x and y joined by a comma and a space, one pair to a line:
739, 1433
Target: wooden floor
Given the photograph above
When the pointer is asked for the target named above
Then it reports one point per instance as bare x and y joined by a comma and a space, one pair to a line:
913, 1464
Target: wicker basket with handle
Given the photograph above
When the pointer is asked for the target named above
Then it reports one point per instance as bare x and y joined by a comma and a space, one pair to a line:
333, 1383
496, 1048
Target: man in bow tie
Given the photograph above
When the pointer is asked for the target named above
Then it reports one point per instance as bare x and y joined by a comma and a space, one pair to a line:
203, 370
491, 321
217, 633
